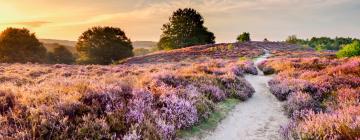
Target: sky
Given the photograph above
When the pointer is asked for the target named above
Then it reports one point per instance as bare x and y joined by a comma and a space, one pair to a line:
143, 19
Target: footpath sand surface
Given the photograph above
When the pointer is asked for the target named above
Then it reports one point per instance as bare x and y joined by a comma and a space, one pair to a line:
259, 118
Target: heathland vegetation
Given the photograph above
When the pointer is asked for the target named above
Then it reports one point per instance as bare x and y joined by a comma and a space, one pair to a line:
156, 96
321, 96
322, 43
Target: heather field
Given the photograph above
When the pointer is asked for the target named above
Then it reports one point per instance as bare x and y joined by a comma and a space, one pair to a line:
180, 70
321, 95
166, 94
127, 101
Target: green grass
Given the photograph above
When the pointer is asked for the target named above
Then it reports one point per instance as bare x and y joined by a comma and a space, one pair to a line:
222, 109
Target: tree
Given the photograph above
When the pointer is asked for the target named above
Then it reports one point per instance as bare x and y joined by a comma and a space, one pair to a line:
292, 39
103, 45
185, 28
19, 45
61, 55
244, 37
350, 50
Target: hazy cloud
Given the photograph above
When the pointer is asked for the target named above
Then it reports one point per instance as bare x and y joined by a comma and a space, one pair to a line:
142, 19
33, 24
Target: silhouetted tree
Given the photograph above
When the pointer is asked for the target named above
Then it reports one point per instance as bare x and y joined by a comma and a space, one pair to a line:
19, 45
244, 37
103, 45
185, 28
61, 55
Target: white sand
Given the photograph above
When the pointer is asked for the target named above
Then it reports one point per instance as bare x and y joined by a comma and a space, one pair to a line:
259, 118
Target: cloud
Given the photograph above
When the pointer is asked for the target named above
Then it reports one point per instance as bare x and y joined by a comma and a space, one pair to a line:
30, 23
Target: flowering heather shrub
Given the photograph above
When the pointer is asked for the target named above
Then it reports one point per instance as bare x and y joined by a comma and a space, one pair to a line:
236, 87
340, 124
322, 96
214, 93
282, 87
249, 67
347, 97
7, 102
300, 101
179, 112
139, 101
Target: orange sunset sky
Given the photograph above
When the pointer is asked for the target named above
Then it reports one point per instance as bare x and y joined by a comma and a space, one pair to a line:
142, 19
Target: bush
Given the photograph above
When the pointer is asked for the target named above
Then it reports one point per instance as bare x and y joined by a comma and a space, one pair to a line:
244, 37
350, 50
7, 102
103, 45
292, 39
20, 46
186, 28
61, 55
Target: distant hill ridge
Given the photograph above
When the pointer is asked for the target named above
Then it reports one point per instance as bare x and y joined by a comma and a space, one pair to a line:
50, 44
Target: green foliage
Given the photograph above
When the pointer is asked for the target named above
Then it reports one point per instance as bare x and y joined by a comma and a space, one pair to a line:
292, 39
185, 28
244, 37
321, 43
19, 45
61, 55
230, 47
103, 45
350, 50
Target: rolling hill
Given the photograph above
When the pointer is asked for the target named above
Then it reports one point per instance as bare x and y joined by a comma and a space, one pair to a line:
50, 44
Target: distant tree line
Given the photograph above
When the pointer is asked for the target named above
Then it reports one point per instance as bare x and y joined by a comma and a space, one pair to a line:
106, 45
321, 43
98, 45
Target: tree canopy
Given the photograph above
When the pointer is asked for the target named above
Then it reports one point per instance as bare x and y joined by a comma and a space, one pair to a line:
185, 28
244, 37
321, 43
19, 45
350, 50
61, 55
103, 45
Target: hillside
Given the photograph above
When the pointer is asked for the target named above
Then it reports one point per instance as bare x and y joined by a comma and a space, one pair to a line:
224, 50
144, 44
169, 94
49, 44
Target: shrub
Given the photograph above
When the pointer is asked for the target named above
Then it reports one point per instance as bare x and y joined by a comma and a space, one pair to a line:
214, 93
350, 50
244, 37
236, 87
179, 112
299, 101
292, 39
7, 101
341, 124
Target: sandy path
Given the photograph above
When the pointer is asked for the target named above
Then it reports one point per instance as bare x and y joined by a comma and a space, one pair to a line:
259, 118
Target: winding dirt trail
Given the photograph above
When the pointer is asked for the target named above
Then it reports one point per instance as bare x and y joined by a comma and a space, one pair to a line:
259, 118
